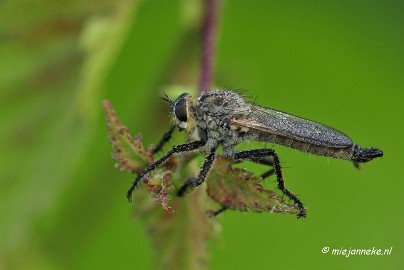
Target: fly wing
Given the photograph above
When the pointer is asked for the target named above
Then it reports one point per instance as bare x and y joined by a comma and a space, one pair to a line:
289, 126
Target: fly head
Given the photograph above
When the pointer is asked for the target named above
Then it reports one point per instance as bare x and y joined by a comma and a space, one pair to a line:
183, 115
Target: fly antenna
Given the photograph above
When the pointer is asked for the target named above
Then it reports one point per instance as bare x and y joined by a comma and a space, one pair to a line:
166, 98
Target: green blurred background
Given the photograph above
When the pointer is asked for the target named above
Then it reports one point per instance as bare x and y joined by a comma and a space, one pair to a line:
63, 204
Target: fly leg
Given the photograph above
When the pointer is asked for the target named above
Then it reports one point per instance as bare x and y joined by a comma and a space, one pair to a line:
166, 138
194, 182
176, 149
258, 155
212, 213
262, 160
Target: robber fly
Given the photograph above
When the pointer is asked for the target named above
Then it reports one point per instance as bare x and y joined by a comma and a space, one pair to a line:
225, 118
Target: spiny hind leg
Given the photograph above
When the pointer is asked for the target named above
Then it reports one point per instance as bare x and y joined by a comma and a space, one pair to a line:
257, 155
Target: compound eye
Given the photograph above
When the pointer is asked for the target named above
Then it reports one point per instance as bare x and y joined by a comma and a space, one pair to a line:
180, 109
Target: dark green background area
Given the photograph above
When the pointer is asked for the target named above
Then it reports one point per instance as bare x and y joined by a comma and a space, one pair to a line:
340, 63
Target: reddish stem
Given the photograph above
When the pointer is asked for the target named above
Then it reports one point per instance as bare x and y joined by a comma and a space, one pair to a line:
208, 36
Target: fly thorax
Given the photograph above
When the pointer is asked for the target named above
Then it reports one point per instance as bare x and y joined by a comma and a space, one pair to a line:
212, 122
219, 106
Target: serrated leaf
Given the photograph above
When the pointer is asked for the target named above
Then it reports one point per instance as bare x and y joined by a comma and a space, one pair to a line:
129, 152
180, 238
133, 157
241, 190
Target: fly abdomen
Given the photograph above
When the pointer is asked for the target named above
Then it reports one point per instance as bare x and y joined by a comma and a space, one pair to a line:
331, 150
352, 152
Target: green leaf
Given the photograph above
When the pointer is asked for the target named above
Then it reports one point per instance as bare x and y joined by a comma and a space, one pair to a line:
238, 189
180, 237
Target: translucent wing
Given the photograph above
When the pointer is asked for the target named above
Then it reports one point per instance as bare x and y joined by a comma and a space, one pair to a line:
269, 121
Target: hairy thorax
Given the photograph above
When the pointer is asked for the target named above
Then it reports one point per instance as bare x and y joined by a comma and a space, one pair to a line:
215, 109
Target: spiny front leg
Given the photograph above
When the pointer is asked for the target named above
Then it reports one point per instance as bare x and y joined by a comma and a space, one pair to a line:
206, 166
176, 149
166, 137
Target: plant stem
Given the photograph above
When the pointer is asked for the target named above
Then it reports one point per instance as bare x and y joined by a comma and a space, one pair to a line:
208, 40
